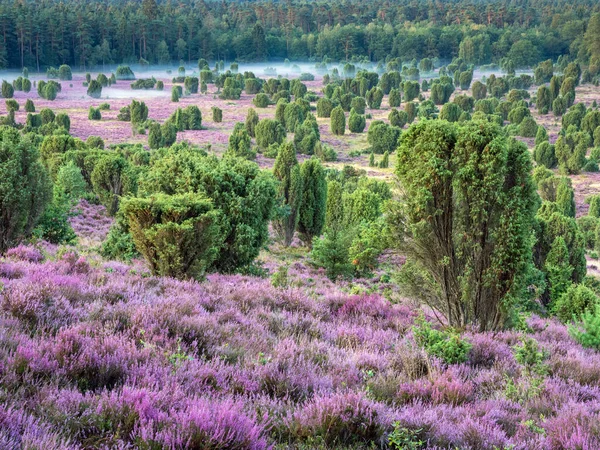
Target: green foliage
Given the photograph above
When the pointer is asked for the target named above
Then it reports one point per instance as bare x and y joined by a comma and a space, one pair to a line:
359, 105
324, 107
331, 253
577, 300
395, 98
594, 202
25, 188
570, 152
94, 114
450, 112
528, 127
398, 118
479, 90
443, 182
69, 185
261, 100
290, 191
7, 89
565, 197
543, 100
178, 235
411, 90
95, 142
446, 345
306, 136
280, 278
558, 269
112, 178
314, 198
404, 438
338, 121
174, 94
269, 131
238, 188
64, 73
587, 332
124, 73
382, 137
251, 122
53, 225
366, 246
239, 143
12, 105
94, 89
385, 161
29, 106
356, 122
217, 114
374, 97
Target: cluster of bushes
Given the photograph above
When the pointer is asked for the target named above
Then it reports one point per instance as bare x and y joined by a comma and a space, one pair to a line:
48, 90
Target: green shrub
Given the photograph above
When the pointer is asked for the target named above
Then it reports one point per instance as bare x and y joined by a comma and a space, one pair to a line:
64, 73
356, 122
587, 331
382, 137
358, 104
12, 105
446, 345
280, 278
25, 188
54, 225
239, 143
528, 127
314, 197
577, 300
395, 98
174, 94
338, 121
112, 177
7, 89
398, 118
29, 106
124, 73
374, 97
94, 114
404, 438
269, 131
178, 235
94, 89
450, 112
324, 107
245, 195
217, 114
331, 253
95, 142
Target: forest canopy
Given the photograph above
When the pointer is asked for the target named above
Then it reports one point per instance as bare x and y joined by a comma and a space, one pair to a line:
92, 34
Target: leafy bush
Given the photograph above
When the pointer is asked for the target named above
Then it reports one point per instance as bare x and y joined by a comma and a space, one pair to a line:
94, 89
217, 114
382, 137
94, 114
124, 73
238, 188
446, 345
356, 122
64, 73
25, 189
587, 331
324, 107
269, 131
338, 121
178, 235
577, 300
53, 225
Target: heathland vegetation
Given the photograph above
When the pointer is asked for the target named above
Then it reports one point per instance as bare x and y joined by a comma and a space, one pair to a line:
377, 225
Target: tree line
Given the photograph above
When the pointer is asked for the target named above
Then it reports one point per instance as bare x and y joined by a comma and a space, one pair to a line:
92, 34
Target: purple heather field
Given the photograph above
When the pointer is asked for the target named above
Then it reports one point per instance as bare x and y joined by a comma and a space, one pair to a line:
98, 354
